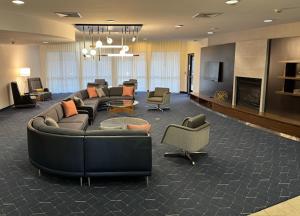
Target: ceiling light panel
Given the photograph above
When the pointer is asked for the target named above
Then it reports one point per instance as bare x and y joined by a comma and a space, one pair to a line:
18, 2
232, 2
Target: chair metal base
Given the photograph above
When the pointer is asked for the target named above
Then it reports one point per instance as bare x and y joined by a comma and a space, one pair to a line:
184, 154
159, 108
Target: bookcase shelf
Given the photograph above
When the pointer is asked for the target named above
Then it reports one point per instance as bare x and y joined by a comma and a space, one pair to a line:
291, 78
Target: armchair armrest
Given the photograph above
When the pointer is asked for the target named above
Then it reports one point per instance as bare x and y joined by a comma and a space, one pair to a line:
150, 94
166, 98
190, 139
83, 112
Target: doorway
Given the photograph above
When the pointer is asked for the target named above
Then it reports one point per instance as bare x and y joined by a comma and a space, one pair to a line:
190, 73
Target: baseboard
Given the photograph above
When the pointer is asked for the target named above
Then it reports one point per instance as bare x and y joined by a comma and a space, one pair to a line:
183, 92
5, 108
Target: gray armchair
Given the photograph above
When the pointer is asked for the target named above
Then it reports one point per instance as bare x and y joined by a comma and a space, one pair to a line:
102, 82
131, 82
160, 97
191, 137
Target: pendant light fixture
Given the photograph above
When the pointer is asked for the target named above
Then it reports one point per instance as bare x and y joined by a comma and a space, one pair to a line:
94, 45
99, 42
84, 50
109, 40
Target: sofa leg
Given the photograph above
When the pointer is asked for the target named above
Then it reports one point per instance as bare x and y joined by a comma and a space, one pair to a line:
89, 181
80, 181
147, 180
187, 155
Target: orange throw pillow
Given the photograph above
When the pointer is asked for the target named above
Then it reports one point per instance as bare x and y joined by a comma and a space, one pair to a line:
128, 91
144, 127
69, 108
92, 92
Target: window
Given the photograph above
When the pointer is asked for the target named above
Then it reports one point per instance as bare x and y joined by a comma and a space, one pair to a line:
165, 70
95, 69
62, 72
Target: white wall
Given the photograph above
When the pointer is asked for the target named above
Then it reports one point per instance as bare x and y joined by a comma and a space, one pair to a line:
193, 47
13, 57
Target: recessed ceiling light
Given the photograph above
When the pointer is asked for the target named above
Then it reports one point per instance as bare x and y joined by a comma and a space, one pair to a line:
45, 42
18, 2
110, 20
179, 26
268, 21
210, 32
232, 2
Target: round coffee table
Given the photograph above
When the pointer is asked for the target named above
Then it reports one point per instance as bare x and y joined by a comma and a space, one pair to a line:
119, 106
121, 123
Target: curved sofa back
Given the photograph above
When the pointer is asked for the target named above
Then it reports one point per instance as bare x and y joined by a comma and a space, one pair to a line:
72, 152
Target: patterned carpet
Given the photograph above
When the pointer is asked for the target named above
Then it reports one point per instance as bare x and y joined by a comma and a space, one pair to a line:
246, 170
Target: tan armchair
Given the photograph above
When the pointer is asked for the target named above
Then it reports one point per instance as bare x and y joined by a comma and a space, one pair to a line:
160, 97
191, 137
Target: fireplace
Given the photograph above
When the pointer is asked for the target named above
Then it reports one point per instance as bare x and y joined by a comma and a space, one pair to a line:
248, 92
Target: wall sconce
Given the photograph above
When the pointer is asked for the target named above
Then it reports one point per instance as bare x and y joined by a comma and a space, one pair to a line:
24, 72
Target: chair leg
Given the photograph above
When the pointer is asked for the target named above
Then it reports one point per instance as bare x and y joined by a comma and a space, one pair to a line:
81, 182
40, 173
147, 180
89, 181
159, 108
184, 154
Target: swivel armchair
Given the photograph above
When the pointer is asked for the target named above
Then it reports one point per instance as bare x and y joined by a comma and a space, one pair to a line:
101, 83
36, 88
21, 101
160, 97
191, 137
131, 82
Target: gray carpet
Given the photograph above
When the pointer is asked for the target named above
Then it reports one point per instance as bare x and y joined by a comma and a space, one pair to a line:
246, 170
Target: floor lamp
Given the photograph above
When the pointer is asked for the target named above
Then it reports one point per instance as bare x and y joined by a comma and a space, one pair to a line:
24, 73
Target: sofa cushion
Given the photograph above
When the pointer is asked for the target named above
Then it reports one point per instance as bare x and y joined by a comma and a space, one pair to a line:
104, 99
159, 92
39, 124
128, 91
91, 101
116, 91
196, 121
84, 94
73, 125
59, 110
51, 112
100, 92
69, 108
51, 122
155, 99
78, 101
92, 92
80, 118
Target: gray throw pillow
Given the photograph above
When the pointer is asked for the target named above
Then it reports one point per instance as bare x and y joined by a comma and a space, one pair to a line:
196, 121
100, 92
51, 122
78, 101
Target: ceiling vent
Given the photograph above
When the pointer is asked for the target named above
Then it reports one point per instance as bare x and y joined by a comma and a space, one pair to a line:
206, 15
68, 14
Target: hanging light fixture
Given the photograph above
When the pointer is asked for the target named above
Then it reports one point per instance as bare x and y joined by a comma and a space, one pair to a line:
84, 50
109, 40
95, 44
99, 42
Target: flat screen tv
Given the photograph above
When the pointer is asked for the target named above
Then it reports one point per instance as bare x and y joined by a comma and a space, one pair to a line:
213, 71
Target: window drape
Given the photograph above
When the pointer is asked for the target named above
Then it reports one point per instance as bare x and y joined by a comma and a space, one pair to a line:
158, 64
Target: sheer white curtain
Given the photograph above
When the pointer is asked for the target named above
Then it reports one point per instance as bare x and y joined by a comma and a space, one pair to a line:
62, 68
132, 68
165, 66
158, 64
94, 69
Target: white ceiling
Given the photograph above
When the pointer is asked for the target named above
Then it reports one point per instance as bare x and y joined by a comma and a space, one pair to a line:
160, 16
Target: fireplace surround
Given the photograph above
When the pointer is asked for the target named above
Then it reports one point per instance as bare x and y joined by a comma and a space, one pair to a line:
248, 92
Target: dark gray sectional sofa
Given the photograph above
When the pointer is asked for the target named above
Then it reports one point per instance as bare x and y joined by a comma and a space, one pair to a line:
71, 150
92, 105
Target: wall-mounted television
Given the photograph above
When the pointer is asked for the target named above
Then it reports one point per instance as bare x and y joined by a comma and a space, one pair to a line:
213, 71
